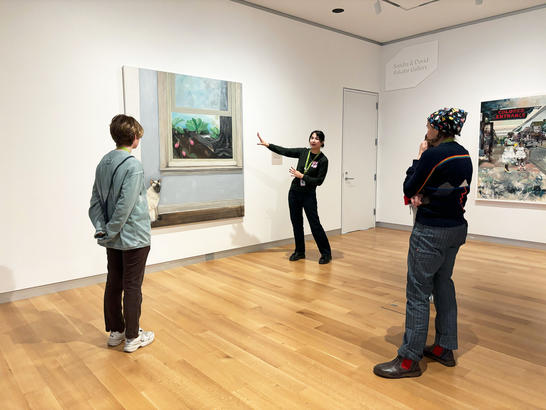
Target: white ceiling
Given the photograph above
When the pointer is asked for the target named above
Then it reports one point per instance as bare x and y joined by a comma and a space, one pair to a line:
393, 23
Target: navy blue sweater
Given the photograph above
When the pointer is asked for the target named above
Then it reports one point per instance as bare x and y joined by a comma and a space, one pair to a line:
442, 175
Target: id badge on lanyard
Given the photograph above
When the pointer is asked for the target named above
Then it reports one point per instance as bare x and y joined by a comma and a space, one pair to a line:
306, 167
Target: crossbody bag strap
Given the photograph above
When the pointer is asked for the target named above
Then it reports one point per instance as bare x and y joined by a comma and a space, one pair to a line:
105, 203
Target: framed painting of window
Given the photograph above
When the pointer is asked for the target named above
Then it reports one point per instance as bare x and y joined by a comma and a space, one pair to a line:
192, 144
199, 123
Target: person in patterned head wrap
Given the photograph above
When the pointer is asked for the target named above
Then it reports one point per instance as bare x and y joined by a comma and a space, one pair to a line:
437, 184
448, 121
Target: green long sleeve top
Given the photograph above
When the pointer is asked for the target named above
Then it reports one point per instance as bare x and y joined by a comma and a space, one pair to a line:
128, 225
316, 171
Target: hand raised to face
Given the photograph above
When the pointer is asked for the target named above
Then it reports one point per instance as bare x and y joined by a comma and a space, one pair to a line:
423, 146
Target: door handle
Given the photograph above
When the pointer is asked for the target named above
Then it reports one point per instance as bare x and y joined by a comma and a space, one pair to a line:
348, 178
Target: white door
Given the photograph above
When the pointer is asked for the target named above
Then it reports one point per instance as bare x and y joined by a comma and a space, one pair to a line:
359, 160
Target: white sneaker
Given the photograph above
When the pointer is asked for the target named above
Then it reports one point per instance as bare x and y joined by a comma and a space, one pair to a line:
144, 338
116, 338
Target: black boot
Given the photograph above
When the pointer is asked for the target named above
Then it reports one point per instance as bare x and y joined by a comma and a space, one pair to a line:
398, 368
324, 259
440, 354
296, 256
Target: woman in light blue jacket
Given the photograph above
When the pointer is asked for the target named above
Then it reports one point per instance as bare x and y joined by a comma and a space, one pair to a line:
119, 212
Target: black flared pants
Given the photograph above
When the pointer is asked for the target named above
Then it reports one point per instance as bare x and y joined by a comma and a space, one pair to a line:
297, 202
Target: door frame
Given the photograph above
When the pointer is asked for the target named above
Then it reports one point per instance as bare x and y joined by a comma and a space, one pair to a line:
343, 145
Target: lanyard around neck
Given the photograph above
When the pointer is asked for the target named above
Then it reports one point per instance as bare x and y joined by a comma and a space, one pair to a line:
307, 163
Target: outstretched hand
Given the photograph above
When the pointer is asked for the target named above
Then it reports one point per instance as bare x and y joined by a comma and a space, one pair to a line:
295, 173
262, 141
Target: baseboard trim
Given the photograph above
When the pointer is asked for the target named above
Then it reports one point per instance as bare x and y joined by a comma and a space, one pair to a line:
475, 237
15, 295
397, 227
27, 293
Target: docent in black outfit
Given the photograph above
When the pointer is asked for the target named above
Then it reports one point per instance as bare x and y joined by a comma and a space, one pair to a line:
308, 174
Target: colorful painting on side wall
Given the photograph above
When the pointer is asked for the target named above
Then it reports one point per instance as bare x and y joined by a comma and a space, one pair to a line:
512, 150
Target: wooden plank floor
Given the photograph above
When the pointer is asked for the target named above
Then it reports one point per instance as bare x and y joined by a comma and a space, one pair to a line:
257, 331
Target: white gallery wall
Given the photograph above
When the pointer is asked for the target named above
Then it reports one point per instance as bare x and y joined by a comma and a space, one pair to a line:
497, 59
61, 83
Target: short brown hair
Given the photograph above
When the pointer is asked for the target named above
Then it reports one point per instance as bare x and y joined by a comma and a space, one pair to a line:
124, 129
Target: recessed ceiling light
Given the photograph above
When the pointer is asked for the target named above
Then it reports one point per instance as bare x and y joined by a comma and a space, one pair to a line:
337, 11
